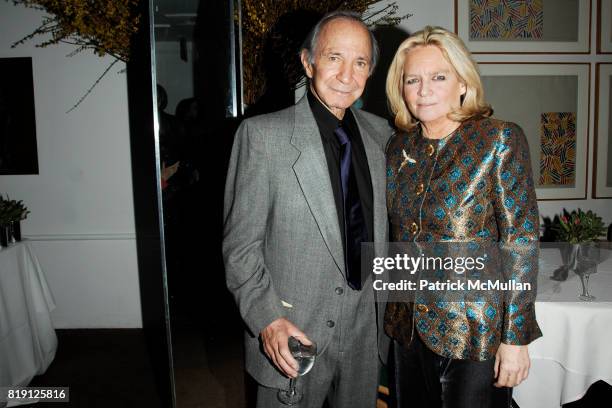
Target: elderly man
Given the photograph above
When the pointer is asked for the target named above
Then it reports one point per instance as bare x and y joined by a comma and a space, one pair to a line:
305, 187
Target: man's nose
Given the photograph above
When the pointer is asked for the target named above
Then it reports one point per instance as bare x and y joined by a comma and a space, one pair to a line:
345, 73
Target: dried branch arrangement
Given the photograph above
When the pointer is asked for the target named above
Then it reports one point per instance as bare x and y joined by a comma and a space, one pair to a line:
102, 26
279, 27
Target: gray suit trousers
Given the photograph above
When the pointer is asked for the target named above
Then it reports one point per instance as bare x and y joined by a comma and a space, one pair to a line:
346, 374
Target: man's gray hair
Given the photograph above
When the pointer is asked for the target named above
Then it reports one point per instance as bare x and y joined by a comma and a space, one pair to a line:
310, 43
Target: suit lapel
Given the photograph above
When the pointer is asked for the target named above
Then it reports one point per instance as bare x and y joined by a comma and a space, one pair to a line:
313, 176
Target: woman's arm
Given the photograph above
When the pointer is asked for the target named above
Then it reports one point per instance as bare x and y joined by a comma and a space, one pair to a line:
517, 217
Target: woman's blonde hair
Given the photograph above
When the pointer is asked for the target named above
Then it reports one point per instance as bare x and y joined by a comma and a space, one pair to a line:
457, 55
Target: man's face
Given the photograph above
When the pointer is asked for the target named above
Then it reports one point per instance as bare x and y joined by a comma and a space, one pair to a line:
342, 62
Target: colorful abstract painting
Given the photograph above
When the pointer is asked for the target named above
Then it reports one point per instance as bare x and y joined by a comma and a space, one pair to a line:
558, 151
506, 19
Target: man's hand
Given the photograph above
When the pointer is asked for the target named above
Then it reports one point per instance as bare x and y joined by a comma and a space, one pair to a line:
169, 171
511, 365
275, 338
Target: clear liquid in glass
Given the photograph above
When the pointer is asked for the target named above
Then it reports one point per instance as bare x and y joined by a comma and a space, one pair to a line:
305, 363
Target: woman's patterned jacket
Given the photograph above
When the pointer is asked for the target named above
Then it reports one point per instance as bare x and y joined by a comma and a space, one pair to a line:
474, 185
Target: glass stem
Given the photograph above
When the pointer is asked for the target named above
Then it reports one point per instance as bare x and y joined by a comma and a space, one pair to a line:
584, 281
292, 382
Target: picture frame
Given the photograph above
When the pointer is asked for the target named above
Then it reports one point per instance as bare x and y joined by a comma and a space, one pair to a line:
554, 115
602, 166
18, 147
604, 27
538, 27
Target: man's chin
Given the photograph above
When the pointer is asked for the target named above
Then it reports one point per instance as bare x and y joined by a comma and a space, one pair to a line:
344, 103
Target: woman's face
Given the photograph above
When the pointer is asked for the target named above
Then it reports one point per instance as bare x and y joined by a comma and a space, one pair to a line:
431, 87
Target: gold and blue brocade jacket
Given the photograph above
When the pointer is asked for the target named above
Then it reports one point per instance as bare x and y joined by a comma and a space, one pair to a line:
474, 185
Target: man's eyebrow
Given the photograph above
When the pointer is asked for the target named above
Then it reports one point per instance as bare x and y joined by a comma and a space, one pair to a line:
331, 52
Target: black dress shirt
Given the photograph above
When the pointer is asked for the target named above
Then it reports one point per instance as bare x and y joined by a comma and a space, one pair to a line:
327, 123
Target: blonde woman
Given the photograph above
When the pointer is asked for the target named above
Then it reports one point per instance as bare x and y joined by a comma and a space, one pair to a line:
456, 174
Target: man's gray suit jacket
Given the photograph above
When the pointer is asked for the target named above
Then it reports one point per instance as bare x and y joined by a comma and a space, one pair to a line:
282, 244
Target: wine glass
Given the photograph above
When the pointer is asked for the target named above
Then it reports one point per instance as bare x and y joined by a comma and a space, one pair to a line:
305, 356
586, 265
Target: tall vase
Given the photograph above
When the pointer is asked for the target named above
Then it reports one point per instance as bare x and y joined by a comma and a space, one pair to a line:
11, 235
573, 254
16, 226
4, 235
569, 257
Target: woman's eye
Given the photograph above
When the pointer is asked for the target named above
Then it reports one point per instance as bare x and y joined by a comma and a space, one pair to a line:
333, 58
411, 81
439, 78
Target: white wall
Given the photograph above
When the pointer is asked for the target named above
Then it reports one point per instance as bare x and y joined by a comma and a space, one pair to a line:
441, 13
82, 218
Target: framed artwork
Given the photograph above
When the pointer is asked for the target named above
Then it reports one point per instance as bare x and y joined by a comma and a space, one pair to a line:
524, 26
602, 170
604, 27
18, 152
550, 102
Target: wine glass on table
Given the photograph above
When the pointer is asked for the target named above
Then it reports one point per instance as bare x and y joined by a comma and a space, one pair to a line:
305, 357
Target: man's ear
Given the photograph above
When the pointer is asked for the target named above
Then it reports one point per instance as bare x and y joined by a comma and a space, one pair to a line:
307, 66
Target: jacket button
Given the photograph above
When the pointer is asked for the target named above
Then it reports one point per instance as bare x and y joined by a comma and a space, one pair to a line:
430, 150
419, 189
330, 323
339, 291
414, 228
422, 308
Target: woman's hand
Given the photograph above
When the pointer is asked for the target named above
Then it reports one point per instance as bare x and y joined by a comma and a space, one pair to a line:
511, 365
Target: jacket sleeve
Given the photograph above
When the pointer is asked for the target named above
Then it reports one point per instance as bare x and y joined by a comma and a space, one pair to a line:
245, 214
516, 212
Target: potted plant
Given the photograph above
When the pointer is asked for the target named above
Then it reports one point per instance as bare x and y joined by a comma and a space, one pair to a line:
4, 220
579, 231
12, 212
578, 227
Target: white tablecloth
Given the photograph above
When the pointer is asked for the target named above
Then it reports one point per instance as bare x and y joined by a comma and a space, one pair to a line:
27, 338
575, 350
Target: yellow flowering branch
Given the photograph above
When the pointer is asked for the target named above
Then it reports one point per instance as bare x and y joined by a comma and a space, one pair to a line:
103, 26
259, 30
